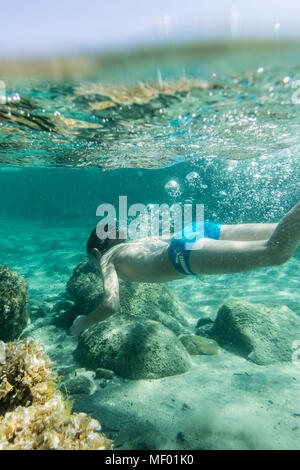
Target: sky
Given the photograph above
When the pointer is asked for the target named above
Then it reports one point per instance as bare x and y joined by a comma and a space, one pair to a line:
52, 27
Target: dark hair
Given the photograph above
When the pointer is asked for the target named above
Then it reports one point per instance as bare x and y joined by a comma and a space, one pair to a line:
102, 244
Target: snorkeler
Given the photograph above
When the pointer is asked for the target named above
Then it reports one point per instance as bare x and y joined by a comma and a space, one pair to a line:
223, 249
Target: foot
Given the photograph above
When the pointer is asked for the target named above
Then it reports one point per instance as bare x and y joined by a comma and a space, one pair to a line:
286, 236
80, 324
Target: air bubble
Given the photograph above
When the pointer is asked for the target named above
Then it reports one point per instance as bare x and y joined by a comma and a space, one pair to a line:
173, 188
192, 178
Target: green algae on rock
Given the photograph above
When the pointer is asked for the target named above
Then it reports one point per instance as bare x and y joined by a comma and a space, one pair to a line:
133, 349
77, 384
263, 333
13, 300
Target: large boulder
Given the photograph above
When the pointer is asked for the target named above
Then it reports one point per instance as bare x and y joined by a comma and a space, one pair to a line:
134, 349
137, 300
84, 288
263, 333
13, 300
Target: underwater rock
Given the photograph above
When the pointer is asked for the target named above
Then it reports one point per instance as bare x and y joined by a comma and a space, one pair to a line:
79, 384
199, 345
104, 374
33, 413
13, 300
143, 349
203, 327
137, 300
38, 309
263, 333
84, 288
63, 314
63, 305
64, 371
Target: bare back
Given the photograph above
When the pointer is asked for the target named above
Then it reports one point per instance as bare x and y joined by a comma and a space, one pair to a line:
144, 260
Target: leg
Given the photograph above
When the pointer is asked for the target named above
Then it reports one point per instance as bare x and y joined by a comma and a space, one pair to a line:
226, 256
223, 257
247, 232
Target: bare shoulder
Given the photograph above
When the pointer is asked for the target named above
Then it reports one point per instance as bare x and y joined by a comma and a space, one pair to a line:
110, 256
132, 248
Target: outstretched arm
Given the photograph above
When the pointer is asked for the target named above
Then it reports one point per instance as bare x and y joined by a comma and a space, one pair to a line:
110, 302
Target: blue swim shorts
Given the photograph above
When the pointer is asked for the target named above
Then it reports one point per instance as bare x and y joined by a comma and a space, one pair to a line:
179, 248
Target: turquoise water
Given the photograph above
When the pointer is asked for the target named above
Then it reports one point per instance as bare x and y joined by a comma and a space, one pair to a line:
238, 130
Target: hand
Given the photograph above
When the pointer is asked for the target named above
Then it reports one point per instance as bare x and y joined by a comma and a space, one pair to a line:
85, 321
80, 323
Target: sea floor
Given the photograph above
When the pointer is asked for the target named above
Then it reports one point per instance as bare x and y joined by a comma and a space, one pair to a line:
222, 402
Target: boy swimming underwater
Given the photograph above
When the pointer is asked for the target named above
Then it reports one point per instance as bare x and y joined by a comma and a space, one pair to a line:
223, 249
